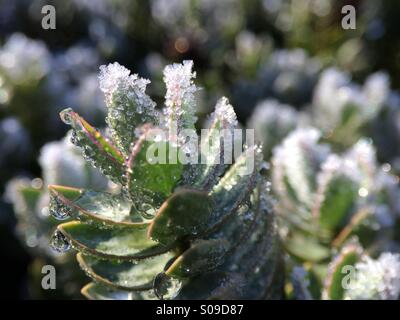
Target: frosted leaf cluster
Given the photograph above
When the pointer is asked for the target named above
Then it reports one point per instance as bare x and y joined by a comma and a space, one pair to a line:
376, 279
23, 59
298, 157
358, 164
117, 80
335, 93
128, 104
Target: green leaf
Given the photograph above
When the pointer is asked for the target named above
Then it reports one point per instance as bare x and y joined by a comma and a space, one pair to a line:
333, 287
119, 244
338, 196
202, 256
124, 275
153, 170
237, 183
186, 213
306, 248
96, 149
100, 207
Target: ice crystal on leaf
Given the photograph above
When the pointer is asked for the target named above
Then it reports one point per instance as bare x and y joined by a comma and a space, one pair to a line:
376, 279
179, 98
127, 103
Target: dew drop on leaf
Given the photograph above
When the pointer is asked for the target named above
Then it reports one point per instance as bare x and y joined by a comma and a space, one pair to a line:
146, 211
65, 116
58, 209
59, 242
165, 287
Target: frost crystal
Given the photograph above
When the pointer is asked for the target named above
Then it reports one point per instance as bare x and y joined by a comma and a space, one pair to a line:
128, 105
224, 111
376, 279
179, 98
116, 79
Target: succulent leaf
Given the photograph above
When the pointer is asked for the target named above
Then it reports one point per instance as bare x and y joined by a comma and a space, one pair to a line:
96, 149
125, 275
116, 244
99, 207
236, 185
186, 213
217, 145
153, 171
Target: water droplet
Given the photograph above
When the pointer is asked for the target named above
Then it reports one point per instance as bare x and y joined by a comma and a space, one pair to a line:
66, 116
166, 287
58, 209
89, 151
74, 137
146, 211
59, 242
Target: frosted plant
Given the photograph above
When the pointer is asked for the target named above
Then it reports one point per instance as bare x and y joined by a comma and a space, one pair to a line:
325, 198
376, 279
23, 64
272, 121
342, 109
296, 161
190, 231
